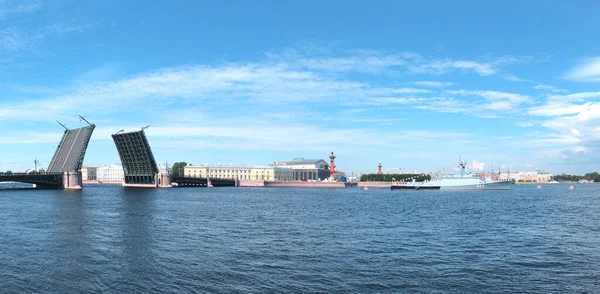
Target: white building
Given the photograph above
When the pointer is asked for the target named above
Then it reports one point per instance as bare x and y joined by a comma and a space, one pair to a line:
527, 177
302, 163
162, 169
89, 173
111, 172
307, 169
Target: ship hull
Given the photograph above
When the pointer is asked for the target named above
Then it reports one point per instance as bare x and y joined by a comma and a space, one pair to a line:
411, 187
434, 185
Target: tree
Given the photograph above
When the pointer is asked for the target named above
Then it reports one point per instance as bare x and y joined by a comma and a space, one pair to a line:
394, 177
178, 168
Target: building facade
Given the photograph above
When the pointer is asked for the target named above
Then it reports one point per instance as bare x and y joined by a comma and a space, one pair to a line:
305, 169
527, 177
89, 173
112, 172
265, 173
165, 170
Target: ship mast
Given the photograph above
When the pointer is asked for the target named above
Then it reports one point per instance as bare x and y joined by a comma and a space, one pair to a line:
462, 165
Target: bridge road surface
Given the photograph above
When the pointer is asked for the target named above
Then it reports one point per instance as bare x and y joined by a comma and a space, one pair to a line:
70, 150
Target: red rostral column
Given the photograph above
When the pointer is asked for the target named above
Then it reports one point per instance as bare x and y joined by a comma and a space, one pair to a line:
379, 169
332, 166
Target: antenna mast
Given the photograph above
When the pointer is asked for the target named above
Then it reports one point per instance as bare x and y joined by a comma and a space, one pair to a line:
85, 120
62, 125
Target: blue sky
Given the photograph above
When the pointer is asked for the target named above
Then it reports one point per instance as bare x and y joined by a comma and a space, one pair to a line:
410, 84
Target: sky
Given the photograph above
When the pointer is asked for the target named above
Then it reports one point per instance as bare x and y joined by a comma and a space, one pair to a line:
410, 84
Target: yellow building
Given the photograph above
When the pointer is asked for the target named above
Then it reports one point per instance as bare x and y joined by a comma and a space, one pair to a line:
264, 173
527, 177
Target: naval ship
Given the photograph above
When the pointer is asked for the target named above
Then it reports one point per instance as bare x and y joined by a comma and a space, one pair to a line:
464, 180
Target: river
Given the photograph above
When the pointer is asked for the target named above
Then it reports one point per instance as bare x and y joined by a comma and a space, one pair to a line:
105, 238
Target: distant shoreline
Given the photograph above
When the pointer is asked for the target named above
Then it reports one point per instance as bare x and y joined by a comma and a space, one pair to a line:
551, 183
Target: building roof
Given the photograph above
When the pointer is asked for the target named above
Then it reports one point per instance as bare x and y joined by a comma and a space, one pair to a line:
229, 166
297, 161
111, 166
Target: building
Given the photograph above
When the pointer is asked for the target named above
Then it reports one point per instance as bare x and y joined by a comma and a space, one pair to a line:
111, 172
265, 173
89, 173
527, 177
488, 175
164, 169
339, 174
305, 169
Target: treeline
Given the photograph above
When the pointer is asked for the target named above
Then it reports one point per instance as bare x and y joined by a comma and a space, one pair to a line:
177, 169
394, 177
595, 177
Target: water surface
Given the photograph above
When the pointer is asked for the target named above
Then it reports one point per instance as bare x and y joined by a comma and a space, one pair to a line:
226, 240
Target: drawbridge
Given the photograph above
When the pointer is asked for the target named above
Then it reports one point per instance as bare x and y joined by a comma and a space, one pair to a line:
64, 169
139, 166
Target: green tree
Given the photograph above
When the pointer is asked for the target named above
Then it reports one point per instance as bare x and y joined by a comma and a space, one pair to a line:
592, 177
177, 169
394, 177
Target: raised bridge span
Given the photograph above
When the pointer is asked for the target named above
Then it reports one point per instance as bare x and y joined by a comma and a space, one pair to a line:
64, 170
71, 150
139, 166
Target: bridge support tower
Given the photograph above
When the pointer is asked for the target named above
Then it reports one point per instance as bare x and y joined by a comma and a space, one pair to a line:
72, 180
163, 180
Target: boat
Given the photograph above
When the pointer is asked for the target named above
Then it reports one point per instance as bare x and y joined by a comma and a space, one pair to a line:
464, 180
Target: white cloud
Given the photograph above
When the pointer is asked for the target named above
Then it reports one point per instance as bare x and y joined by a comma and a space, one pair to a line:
18, 44
536, 85
574, 137
557, 109
514, 78
432, 84
543, 87
494, 100
7, 8
475, 165
525, 124
376, 62
12, 41
438, 66
268, 84
274, 104
575, 96
494, 96
587, 71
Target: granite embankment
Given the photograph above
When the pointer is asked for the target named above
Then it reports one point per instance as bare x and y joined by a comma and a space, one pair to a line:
101, 182
375, 184
259, 183
250, 183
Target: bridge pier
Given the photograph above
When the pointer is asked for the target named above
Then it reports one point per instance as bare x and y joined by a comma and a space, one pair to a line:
72, 180
163, 180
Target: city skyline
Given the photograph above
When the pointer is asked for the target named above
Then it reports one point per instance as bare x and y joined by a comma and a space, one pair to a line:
410, 85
